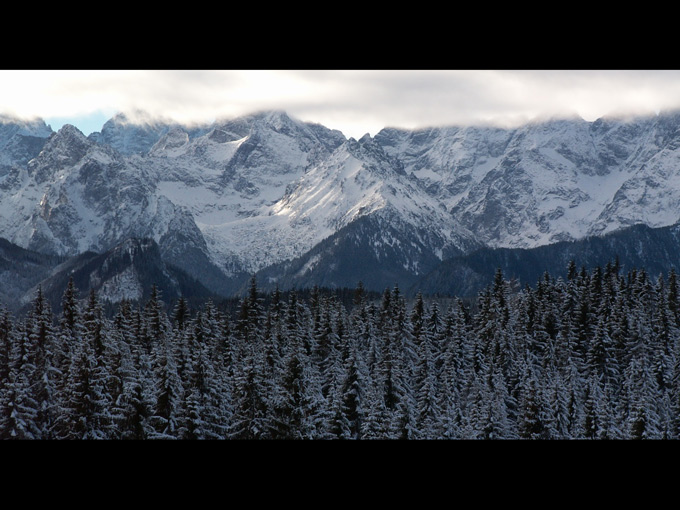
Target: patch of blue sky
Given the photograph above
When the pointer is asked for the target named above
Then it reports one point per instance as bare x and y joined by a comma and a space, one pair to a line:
88, 123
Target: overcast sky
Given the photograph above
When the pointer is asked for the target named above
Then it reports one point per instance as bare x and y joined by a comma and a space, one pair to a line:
355, 102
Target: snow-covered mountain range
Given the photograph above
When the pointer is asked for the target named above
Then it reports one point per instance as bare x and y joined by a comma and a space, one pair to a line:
290, 199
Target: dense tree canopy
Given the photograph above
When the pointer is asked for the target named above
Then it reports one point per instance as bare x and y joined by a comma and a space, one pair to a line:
592, 356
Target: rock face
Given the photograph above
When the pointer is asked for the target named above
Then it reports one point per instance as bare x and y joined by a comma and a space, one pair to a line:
20, 141
297, 201
137, 133
129, 270
550, 181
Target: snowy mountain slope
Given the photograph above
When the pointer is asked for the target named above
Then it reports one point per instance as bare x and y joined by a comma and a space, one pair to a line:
200, 198
136, 133
20, 270
508, 186
77, 196
360, 179
547, 181
374, 249
229, 179
655, 250
251, 193
20, 141
127, 271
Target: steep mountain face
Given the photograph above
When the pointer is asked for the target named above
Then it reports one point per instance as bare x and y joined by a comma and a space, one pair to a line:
127, 271
20, 141
548, 181
358, 180
230, 179
656, 250
303, 205
21, 270
372, 249
204, 199
136, 134
77, 195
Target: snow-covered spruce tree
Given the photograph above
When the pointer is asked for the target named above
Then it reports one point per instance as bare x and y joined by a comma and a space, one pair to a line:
642, 394
531, 413
273, 336
204, 391
250, 319
673, 296
166, 414
558, 417
249, 419
168, 391
377, 416
42, 355
454, 364
427, 385
19, 417
133, 407
674, 395
665, 335
300, 405
156, 324
250, 403
254, 390
70, 336
86, 404
601, 360
70, 319
181, 313
404, 353
6, 326
330, 360
349, 410
486, 412
392, 366
326, 354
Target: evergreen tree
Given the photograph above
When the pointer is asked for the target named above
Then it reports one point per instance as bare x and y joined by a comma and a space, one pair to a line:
42, 355
134, 406
249, 418
300, 406
532, 412
155, 324
6, 325
166, 414
594, 356
19, 407
348, 420
180, 314
428, 411
205, 393
642, 395
85, 408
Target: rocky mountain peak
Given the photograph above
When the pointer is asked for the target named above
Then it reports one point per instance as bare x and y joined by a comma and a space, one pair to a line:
12, 126
265, 188
174, 138
132, 133
63, 149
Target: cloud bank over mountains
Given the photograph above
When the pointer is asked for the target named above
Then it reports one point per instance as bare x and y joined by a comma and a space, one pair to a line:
353, 101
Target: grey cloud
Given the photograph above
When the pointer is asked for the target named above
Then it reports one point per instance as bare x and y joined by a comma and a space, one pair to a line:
350, 99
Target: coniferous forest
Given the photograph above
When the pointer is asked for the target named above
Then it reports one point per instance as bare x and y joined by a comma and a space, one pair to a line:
593, 355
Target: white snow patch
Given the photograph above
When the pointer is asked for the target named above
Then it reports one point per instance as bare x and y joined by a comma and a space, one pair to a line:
124, 285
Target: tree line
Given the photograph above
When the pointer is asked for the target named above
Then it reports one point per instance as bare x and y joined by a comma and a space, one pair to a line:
593, 355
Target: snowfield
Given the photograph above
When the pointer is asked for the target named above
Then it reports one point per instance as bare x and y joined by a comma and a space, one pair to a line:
265, 188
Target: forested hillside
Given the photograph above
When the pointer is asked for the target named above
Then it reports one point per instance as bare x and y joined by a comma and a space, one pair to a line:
593, 355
